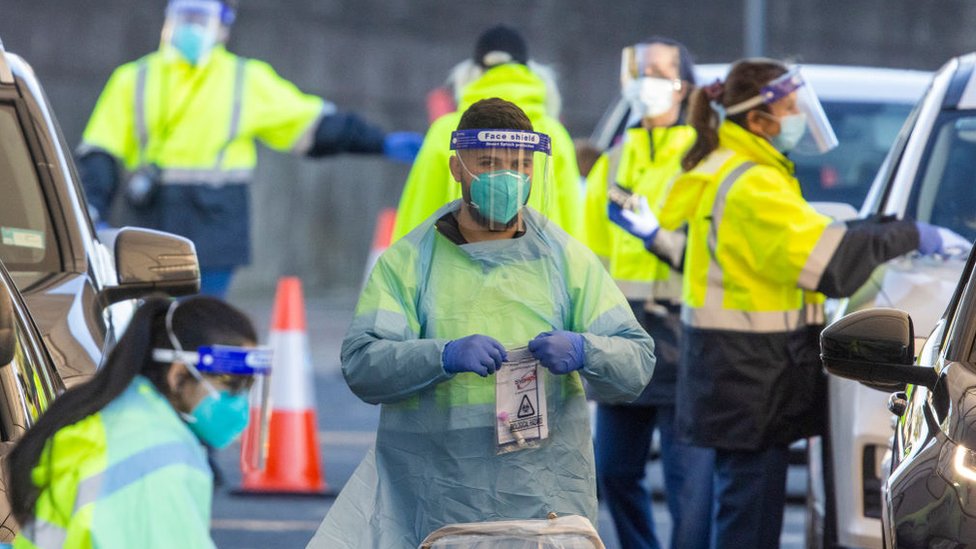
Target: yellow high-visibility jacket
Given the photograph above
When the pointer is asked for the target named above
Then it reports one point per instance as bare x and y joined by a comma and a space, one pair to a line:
758, 260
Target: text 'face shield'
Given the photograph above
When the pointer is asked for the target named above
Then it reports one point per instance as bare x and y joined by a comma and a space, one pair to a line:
501, 172
192, 28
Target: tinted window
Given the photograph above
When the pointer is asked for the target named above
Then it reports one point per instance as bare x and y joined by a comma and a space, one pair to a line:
945, 192
865, 132
26, 239
26, 387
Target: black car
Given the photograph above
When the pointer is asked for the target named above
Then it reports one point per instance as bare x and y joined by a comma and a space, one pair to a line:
928, 497
68, 274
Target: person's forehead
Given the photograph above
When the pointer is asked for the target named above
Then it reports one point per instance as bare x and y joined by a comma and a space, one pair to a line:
660, 57
496, 152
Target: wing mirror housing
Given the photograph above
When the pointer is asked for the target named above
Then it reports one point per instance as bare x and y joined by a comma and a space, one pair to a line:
149, 261
875, 347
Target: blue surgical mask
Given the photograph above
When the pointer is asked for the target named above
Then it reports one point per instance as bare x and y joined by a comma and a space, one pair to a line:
192, 41
499, 195
791, 130
219, 418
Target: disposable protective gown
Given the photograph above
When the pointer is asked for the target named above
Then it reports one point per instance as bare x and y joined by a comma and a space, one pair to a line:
435, 460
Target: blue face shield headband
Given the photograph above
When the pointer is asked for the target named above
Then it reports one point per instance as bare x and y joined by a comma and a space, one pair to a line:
222, 414
499, 185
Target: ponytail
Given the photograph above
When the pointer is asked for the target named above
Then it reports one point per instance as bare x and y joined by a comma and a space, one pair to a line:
703, 118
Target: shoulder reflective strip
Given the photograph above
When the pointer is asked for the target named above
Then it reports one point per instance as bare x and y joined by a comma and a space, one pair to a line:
613, 163
714, 162
134, 468
44, 534
634, 290
177, 176
820, 256
715, 291
142, 133
235, 110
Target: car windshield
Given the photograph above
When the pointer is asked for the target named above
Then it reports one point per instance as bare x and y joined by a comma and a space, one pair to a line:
865, 132
944, 191
26, 238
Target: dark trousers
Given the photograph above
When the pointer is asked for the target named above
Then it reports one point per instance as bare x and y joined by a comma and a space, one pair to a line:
750, 493
623, 440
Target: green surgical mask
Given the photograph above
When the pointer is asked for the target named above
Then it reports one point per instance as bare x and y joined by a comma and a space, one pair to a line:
499, 195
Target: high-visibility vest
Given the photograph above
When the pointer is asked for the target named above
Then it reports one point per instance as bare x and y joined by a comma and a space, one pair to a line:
755, 247
199, 123
645, 168
131, 475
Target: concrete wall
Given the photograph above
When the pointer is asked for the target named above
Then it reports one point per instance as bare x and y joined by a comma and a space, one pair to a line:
380, 57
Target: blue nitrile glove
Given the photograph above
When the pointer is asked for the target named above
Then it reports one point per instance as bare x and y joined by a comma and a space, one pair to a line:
939, 240
402, 146
561, 352
475, 353
643, 223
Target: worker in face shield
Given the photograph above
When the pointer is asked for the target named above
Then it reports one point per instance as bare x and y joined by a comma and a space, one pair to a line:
183, 374
656, 78
758, 264
173, 136
474, 334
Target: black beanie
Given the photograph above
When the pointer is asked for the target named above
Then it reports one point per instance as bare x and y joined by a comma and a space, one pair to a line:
503, 39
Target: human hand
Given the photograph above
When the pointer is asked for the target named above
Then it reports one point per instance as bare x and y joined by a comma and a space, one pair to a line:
402, 146
933, 239
475, 353
643, 223
560, 351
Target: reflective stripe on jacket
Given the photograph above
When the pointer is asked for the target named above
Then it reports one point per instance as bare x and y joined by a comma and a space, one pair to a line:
430, 184
131, 475
646, 168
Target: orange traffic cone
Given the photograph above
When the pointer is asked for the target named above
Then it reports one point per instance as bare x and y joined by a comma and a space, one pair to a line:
382, 235
292, 464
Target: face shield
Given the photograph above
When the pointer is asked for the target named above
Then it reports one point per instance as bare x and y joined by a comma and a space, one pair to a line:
649, 91
501, 171
237, 380
818, 136
192, 28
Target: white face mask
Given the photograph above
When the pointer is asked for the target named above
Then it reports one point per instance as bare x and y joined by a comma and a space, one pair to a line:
650, 96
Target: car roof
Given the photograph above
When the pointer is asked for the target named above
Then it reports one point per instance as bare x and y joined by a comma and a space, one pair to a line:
848, 83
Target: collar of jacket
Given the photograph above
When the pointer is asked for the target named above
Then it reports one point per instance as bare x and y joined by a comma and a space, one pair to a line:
173, 60
512, 82
757, 149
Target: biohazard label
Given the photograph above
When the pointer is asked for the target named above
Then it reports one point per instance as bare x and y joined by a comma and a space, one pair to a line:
520, 401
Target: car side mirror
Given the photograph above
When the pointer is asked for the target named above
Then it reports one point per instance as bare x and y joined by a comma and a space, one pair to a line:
7, 342
875, 347
150, 261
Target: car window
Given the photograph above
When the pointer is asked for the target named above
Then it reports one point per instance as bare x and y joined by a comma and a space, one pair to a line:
944, 193
26, 386
26, 239
865, 132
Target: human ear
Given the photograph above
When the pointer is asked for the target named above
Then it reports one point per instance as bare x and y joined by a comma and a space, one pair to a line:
455, 165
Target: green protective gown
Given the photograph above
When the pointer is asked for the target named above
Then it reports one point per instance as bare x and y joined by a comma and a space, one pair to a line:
435, 460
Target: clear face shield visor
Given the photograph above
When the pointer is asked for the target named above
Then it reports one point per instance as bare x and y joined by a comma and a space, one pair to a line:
192, 28
819, 136
238, 371
502, 171
650, 91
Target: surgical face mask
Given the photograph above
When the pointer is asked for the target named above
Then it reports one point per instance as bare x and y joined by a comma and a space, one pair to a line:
498, 195
220, 417
194, 42
650, 96
791, 130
